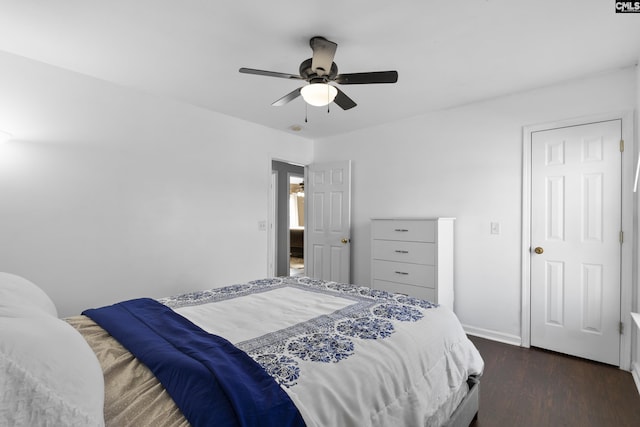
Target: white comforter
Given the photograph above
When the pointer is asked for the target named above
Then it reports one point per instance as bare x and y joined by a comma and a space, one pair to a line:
346, 355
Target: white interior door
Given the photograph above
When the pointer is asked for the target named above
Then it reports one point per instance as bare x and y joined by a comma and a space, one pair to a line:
575, 239
328, 221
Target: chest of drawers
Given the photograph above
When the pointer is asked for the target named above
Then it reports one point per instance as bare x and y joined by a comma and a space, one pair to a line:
413, 256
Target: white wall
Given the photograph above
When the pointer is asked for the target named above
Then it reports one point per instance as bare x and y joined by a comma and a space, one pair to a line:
107, 193
466, 163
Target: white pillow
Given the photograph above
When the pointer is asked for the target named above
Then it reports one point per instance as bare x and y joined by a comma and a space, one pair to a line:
18, 293
49, 376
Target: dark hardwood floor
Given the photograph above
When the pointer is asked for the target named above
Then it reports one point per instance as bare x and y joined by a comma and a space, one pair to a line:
532, 387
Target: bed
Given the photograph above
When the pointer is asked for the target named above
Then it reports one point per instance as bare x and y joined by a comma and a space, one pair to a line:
332, 354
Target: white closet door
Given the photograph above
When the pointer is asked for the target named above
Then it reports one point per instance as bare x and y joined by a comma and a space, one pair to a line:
575, 239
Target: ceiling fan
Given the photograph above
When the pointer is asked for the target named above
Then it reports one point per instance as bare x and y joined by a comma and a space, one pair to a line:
319, 71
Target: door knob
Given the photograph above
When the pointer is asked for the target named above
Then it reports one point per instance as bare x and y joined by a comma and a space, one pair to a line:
538, 250
345, 240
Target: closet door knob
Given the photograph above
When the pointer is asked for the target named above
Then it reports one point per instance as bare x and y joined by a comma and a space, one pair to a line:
538, 250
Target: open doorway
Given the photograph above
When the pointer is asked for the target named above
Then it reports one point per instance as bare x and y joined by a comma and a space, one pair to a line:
288, 192
296, 225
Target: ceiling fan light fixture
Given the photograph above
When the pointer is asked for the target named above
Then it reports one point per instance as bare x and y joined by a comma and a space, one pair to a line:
318, 94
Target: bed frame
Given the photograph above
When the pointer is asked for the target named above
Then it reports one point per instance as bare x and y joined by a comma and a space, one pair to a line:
467, 411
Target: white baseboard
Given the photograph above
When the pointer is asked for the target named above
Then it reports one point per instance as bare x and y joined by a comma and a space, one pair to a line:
635, 373
493, 335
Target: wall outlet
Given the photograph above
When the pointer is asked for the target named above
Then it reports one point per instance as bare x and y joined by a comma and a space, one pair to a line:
495, 228
262, 225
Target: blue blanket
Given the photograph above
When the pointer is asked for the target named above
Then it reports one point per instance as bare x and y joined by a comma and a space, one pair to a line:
211, 381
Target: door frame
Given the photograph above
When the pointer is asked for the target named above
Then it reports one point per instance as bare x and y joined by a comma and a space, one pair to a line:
273, 214
272, 229
626, 261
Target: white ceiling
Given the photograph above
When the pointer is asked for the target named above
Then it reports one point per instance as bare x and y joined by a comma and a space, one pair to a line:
446, 53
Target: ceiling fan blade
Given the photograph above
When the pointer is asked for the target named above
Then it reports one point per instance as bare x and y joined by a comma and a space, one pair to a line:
344, 101
270, 73
366, 78
287, 98
323, 53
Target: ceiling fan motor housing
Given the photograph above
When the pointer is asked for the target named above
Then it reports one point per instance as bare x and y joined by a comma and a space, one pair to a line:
308, 73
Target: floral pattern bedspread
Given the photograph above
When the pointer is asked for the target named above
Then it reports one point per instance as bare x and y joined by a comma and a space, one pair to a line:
346, 355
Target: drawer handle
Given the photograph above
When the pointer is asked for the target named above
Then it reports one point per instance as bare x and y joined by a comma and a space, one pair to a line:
401, 252
402, 272
401, 229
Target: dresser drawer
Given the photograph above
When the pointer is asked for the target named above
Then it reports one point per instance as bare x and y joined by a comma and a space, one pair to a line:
412, 231
400, 288
413, 252
402, 272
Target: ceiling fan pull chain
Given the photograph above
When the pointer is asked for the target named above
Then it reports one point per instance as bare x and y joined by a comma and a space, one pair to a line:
328, 99
305, 112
